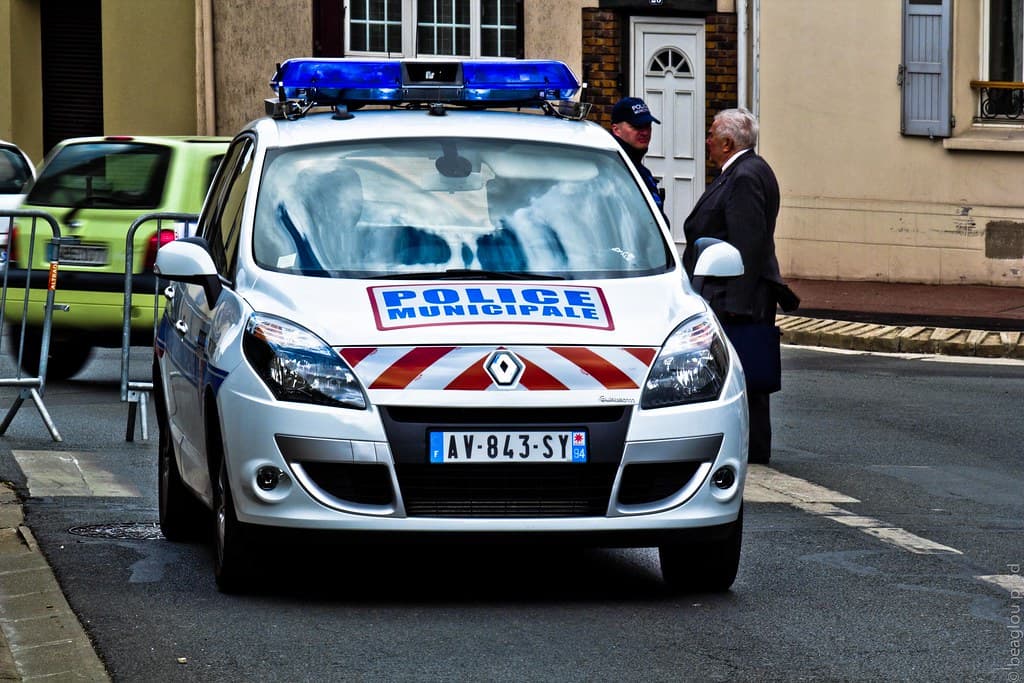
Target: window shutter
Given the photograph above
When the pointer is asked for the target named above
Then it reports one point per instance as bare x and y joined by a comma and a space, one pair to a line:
926, 107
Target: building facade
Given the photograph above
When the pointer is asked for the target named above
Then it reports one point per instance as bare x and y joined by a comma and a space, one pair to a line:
897, 162
894, 126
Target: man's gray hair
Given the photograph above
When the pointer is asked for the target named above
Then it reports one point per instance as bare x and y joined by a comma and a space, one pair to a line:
739, 125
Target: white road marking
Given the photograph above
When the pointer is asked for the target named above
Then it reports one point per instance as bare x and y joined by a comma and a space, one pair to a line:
69, 473
765, 485
1014, 583
932, 357
771, 486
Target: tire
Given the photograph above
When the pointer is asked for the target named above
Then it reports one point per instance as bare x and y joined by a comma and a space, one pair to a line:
182, 515
65, 359
705, 566
229, 559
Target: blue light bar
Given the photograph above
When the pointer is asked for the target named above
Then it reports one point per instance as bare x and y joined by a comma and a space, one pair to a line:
329, 82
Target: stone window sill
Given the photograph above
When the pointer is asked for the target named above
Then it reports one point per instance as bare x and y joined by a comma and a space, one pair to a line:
991, 138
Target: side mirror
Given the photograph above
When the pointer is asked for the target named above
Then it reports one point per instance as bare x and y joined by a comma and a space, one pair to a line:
717, 259
188, 260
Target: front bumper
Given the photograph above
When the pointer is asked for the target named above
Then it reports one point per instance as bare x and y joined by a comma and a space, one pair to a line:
366, 472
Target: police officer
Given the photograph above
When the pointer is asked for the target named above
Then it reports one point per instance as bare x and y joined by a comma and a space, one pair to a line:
631, 126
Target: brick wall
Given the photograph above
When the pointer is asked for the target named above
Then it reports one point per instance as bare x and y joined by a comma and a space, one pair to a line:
602, 62
720, 70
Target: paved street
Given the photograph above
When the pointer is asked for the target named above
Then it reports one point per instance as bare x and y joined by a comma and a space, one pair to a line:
884, 542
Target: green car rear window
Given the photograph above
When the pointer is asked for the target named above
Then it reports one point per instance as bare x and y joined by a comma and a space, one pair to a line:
112, 175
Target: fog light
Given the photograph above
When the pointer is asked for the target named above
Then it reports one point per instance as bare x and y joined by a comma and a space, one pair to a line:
268, 477
724, 477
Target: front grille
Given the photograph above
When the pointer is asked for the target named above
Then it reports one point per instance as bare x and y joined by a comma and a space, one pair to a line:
352, 482
649, 482
514, 490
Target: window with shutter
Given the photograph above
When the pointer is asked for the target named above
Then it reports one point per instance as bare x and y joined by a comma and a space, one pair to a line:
925, 71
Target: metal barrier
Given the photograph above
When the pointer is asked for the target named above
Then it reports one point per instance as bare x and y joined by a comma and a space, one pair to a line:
136, 393
32, 387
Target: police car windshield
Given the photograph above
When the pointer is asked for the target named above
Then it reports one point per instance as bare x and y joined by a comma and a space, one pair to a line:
416, 207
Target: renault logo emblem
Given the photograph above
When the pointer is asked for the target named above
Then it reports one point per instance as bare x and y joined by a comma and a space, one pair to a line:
504, 368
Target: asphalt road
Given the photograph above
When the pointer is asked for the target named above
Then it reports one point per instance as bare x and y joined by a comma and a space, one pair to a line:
884, 542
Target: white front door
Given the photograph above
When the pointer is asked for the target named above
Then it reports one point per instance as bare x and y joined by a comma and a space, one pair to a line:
668, 73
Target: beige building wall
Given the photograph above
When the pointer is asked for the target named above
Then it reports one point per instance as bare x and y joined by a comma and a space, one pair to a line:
6, 53
21, 100
551, 30
859, 200
250, 38
149, 75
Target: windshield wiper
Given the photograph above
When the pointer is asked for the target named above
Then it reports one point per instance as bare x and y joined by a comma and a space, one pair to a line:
468, 274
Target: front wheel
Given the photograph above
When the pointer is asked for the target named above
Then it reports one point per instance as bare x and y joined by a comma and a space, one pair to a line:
704, 566
182, 516
230, 568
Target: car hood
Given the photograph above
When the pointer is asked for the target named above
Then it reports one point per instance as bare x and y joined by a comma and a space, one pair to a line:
640, 311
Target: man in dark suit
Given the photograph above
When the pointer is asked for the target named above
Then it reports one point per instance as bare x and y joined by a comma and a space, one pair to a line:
740, 207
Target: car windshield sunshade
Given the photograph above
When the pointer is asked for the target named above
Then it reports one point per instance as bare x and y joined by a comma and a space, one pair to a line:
454, 208
106, 175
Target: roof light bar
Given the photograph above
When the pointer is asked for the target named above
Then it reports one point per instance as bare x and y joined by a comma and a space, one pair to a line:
304, 83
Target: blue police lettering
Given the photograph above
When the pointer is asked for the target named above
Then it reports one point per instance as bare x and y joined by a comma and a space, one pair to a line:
394, 297
540, 296
576, 297
440, 296
454, 304
397, 313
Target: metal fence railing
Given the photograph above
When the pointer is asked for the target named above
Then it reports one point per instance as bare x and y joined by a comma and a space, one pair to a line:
135, 392
30, 387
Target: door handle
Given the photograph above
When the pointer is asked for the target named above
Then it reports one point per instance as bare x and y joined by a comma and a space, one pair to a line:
181, 327
169, 292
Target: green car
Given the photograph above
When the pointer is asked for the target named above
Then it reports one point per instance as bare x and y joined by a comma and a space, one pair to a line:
96, 188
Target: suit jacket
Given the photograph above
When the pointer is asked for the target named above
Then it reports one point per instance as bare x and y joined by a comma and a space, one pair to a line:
740, 207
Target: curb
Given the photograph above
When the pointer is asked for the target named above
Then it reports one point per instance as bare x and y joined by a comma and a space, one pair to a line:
40, 636
900, 339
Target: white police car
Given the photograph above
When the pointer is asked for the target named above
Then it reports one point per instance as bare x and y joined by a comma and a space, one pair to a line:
438, 318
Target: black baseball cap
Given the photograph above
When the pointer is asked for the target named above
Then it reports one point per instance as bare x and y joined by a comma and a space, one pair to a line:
633, 111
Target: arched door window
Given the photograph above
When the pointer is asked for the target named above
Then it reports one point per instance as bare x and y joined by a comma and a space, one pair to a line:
670, 61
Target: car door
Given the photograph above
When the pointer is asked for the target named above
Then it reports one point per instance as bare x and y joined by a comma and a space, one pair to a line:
190, 315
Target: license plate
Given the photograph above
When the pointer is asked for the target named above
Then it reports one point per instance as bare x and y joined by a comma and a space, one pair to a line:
83, 255
492, 447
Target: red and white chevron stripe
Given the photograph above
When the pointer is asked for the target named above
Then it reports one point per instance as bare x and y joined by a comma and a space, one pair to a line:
547, 368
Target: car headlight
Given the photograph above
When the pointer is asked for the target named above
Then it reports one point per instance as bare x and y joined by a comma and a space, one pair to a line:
691, 367
296, 365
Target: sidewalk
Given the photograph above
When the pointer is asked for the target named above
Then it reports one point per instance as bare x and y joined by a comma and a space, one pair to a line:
955, 320
40, 635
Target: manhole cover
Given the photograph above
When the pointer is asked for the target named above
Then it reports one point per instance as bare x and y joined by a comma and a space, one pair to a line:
135, 531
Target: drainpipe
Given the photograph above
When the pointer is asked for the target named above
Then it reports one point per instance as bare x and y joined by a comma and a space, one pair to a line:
205, 100
755, 105
741, 53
